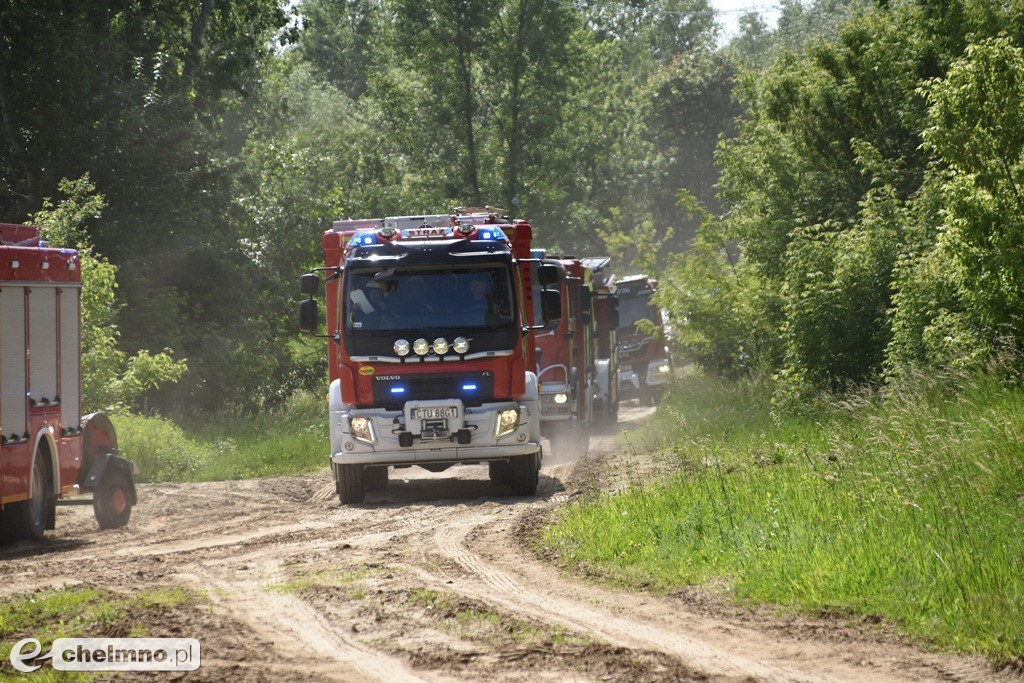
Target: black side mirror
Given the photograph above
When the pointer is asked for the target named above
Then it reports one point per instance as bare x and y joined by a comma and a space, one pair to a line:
550, 305
309, 284
547, 274
613, 312
586, 305
307, 316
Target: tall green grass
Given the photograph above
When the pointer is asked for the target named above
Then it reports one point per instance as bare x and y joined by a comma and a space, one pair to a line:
289, 440
906, 506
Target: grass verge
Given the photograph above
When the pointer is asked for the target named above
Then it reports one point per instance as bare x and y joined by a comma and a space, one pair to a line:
289, 440
906, 506
84, 612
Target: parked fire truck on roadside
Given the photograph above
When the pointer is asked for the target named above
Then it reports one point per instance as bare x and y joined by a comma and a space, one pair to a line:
431, 346
48, 451
606, 322
644, 362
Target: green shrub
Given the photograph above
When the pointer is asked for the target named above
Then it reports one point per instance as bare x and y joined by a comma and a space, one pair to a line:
161, 449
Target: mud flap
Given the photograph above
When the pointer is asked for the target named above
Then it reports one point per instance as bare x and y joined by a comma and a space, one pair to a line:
104, 463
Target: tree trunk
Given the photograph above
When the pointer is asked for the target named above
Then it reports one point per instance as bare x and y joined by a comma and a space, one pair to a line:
7, 124
515, 97
465, 66
195, 46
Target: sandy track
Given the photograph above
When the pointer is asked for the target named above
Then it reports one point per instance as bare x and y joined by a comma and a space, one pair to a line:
431, 580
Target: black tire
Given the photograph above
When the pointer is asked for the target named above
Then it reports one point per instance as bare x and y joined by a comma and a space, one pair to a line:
28, 518
349, 483
111, 501
500, 472
375, 478
525, 474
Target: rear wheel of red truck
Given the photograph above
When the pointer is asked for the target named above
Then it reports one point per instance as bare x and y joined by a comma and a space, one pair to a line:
349, 483
525, 474
111, 502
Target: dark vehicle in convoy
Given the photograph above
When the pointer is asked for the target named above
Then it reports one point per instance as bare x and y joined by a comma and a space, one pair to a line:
431, 347
644, 361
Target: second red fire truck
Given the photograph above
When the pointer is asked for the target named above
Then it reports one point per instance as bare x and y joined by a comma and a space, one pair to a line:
431, 346
48, 450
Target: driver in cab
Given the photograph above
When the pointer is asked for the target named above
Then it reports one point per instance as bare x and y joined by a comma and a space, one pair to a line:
369, 303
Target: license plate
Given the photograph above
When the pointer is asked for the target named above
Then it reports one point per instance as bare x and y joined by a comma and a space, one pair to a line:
436, 413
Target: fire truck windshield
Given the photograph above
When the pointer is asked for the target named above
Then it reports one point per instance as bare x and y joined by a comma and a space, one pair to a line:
632, 310
428, 298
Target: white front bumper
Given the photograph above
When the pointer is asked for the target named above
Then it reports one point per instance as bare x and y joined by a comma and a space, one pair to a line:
480, 421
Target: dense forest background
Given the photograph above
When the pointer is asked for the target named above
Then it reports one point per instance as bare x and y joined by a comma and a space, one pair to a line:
830, 202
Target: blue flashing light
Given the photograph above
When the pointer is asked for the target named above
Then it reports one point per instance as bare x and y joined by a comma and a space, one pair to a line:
469, 387
494, 234
397, 390
361, 239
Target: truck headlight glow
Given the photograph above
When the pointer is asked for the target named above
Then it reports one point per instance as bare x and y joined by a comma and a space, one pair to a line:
561, 398
507, 422
664, 368
440, 346
362, 430
461, 345
420, 346
402, 347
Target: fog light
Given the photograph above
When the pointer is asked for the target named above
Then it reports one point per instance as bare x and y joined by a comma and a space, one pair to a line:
561, 398
440, 346
461, 345
402, 347
362, 430
507, 422
420, 346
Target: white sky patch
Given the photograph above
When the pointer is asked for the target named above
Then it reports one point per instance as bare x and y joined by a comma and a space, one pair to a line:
728, 13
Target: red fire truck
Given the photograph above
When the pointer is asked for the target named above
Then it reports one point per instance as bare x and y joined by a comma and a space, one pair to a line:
644, 362
606, 323
566, 355
431, 346
47, 449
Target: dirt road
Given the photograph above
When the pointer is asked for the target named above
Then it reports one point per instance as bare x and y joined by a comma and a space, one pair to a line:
432, 580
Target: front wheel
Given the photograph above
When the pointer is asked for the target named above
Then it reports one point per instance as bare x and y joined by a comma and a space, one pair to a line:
111, 501
349, 483
525, 474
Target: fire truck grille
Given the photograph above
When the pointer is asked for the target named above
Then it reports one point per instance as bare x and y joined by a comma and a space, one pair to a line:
472, 388
632, 350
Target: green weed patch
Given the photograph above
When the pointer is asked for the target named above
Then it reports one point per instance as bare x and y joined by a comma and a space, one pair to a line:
905, 506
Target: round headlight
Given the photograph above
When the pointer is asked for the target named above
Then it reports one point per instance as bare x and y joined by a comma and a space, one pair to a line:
402, 347
561, 398
420, 346
461, 345
440, 346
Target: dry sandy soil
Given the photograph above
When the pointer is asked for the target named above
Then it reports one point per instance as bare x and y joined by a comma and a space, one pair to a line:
433, 579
